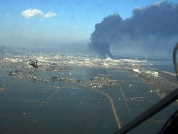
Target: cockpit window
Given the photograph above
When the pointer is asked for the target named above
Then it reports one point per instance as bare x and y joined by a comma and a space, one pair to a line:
86, 67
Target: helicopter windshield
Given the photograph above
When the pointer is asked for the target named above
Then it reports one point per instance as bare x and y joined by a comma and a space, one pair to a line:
86, 67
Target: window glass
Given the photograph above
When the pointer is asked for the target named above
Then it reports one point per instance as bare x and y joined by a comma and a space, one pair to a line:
85, 67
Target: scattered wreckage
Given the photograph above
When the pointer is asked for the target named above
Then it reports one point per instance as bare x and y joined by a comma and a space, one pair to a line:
96, 82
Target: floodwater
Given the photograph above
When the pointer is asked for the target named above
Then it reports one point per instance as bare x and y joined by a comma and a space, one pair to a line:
63, 107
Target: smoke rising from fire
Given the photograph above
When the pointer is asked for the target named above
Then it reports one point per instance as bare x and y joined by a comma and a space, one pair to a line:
150, 30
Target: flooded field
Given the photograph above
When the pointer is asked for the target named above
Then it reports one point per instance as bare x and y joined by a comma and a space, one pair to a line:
71, 98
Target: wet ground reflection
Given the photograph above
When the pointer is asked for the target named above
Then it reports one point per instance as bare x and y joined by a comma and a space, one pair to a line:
84, 100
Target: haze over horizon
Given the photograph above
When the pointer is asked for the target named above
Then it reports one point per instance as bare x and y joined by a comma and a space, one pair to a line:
68, 25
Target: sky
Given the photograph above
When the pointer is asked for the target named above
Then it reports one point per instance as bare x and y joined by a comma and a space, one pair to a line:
150, 31
58, 24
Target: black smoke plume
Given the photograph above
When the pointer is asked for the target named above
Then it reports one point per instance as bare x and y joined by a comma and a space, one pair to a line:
148, 30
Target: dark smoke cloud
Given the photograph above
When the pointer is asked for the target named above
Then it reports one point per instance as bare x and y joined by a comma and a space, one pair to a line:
149, 29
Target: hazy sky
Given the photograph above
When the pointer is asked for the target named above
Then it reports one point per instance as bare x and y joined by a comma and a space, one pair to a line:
48, 23
150, 31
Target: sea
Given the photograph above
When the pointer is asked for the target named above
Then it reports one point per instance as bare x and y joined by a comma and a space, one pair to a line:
66, 102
